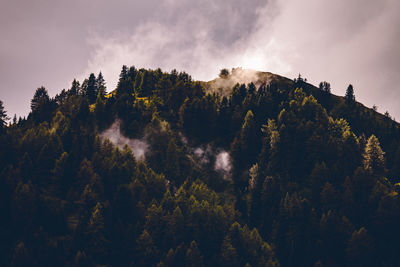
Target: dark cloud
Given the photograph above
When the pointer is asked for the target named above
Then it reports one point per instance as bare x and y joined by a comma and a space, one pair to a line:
49, 43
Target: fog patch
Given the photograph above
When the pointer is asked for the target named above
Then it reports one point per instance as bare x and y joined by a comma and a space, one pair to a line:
139, 147
216, 159
204, 154
224, 85
223, 164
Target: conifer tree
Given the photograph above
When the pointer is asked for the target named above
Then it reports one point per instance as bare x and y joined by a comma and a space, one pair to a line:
360, 248
40, 99
101, 85
350, 98
3, 116
91, 89
374, 159
193, 255
75, 88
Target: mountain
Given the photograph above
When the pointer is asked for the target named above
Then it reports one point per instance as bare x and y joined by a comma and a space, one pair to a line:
249, 169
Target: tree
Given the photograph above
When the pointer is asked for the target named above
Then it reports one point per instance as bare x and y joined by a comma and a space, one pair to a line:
124, 84
360, 248
146, 84
147, 251
224, 73
350, 98
3, 116
101, 85
41, 105
228, 253
100, 110
40, 99
172, 166
325, 87
91, 89
20, 256
374, 159
97, 234
329, 197
62, 174
193, 255
249, 136
75, 88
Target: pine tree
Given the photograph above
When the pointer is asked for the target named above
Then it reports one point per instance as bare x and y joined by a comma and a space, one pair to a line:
124, 83
20, 256
3, 116
40, 99
101, 85
144, 84
147, 251
229, 255
97, 234
350, 98
14, 121
75, 88
374, 159
360, 249
249, 136
193, 255
91, 89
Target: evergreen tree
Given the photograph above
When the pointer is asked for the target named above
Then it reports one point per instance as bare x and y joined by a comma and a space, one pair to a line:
75, 88
325, 87
96, 231
20, 256
91, 89
3, 116
350, 98
40, 99
144, 86
101, 85
124, 86
360, 249
193, 256
374, 159
147, 251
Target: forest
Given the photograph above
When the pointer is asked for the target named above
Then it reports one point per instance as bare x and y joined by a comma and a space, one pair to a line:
168, 171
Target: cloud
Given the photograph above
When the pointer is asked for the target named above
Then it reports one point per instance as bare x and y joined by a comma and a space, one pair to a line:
339, 41
198, 38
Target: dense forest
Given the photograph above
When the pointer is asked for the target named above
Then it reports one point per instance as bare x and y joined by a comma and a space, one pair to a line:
168, 171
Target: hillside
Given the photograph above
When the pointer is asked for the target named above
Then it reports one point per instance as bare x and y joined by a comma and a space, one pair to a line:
249, 169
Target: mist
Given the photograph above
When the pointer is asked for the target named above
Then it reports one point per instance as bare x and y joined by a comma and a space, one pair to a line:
216, 158
223, 85
223, 164
139, 147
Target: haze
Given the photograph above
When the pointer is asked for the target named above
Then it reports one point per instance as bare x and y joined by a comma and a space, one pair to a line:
47, 42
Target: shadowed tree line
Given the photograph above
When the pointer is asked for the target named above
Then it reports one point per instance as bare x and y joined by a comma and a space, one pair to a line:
313, 181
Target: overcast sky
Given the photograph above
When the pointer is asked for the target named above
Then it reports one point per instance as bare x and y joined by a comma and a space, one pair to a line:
51, 42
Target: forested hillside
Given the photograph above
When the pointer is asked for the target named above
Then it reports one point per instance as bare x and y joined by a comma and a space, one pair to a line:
168, 171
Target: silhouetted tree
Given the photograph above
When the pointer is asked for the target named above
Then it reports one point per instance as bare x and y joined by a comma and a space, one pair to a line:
224, 73
91, 89
3, 116
350, 98
101, 85
75, 88
325, 86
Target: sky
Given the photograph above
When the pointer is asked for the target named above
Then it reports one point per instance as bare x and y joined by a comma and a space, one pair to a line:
50, 42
